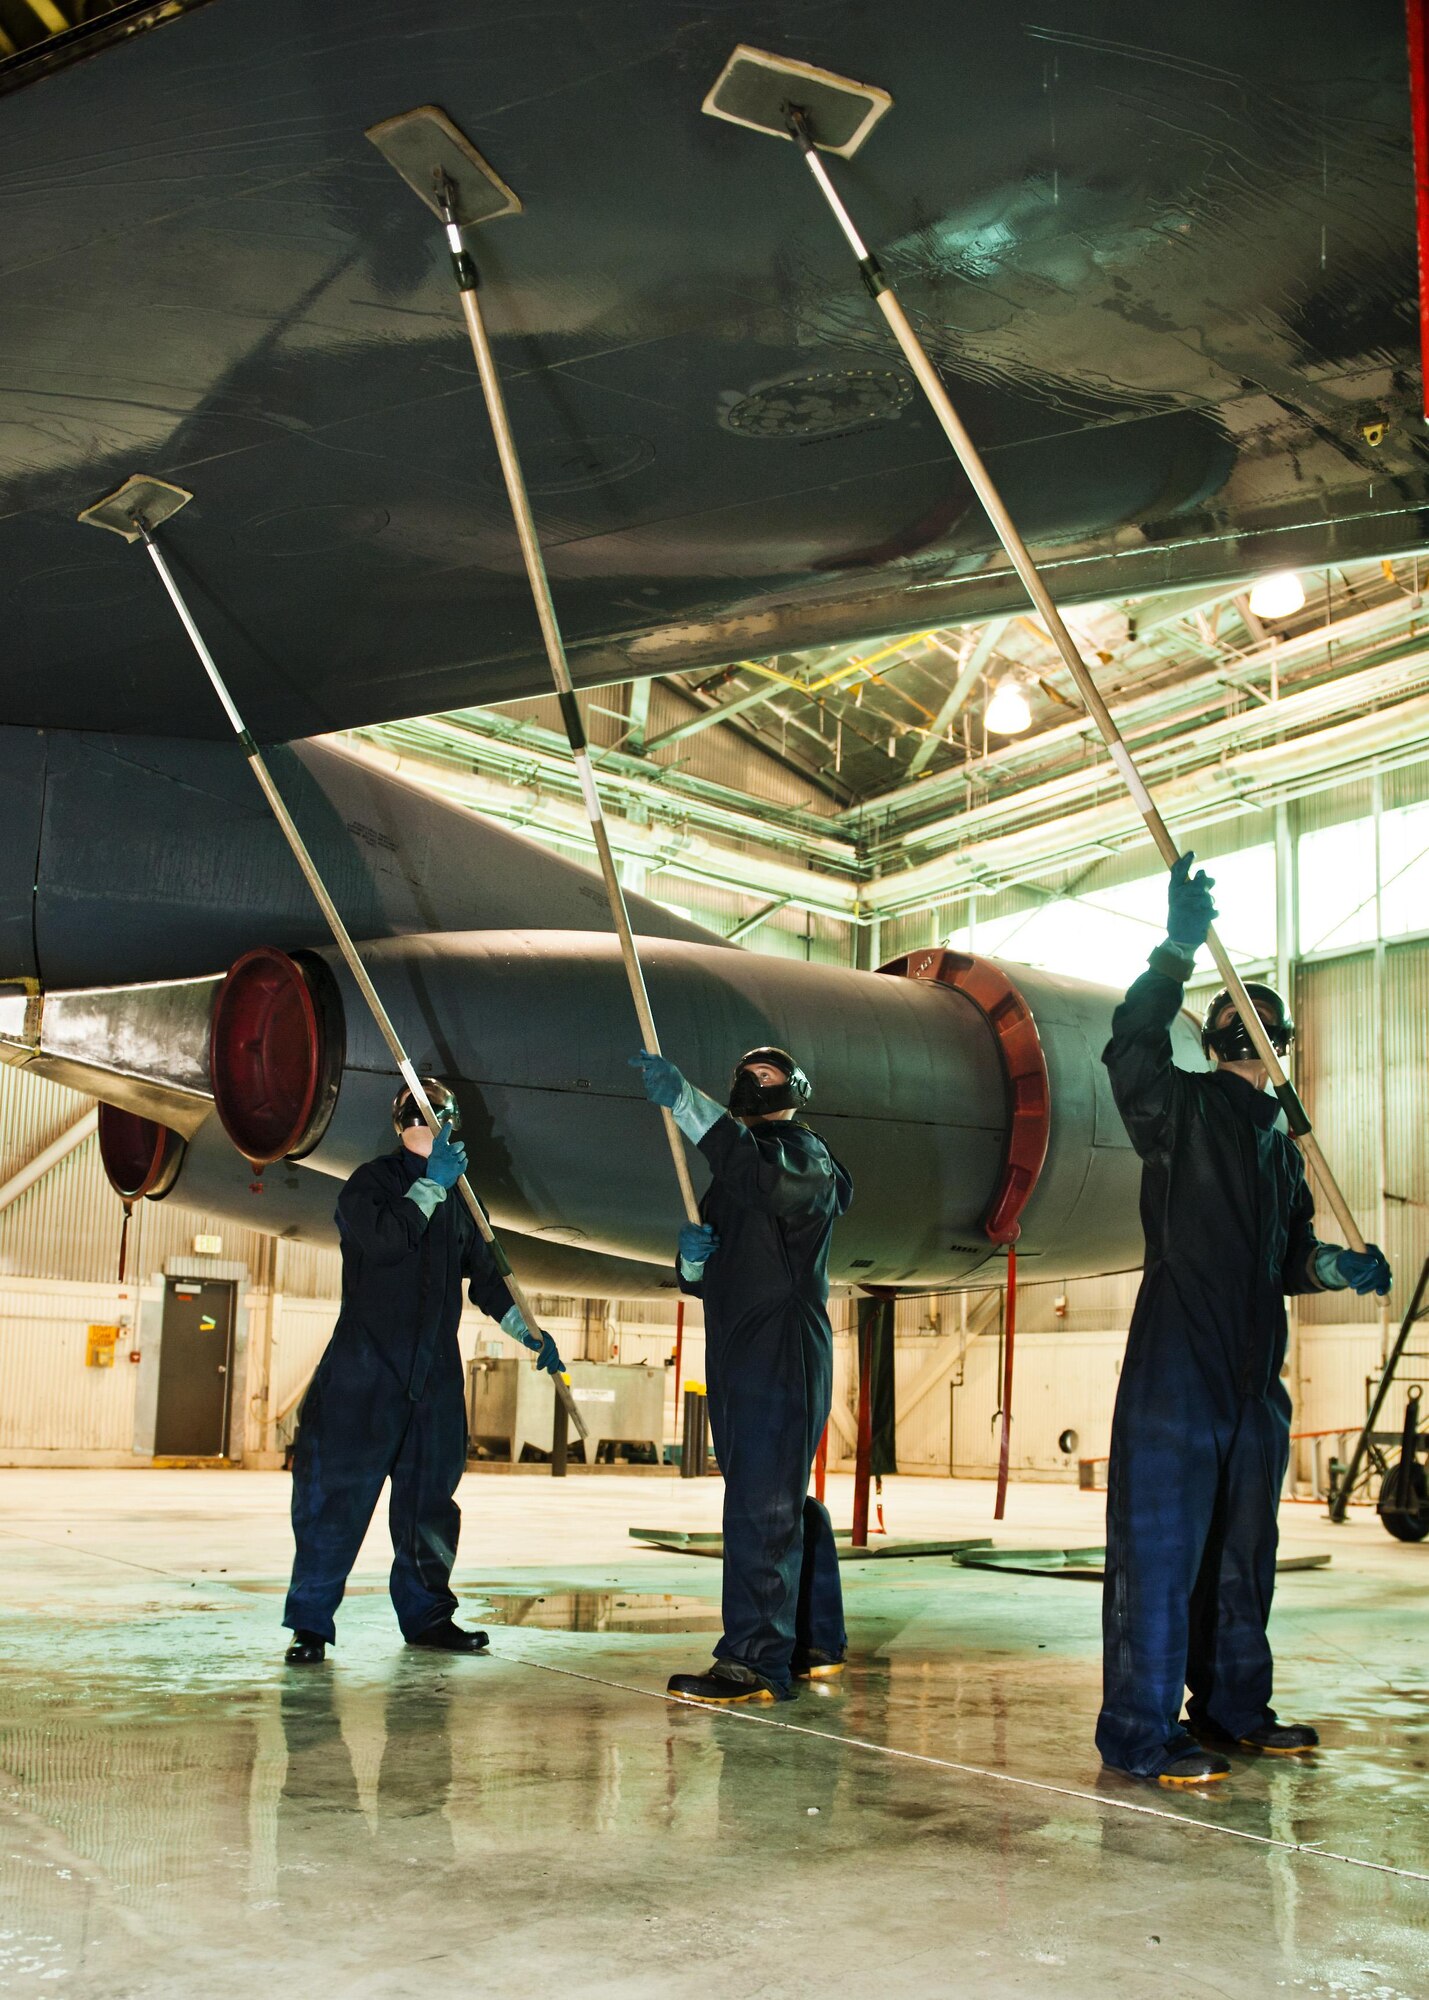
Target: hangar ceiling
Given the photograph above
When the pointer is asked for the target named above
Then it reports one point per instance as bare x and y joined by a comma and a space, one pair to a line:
860, 780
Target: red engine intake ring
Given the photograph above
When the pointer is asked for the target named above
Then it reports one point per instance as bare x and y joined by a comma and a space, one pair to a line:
275, 1053
1023, 1064
141, 1159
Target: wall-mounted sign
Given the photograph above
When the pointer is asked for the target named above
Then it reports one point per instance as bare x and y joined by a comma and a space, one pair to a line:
208, 1246
99, 1346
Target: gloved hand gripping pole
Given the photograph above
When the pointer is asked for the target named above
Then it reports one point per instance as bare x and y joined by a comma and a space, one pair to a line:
138, 529
769, 94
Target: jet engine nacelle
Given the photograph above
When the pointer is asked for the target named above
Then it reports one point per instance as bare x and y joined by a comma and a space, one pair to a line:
968, 1100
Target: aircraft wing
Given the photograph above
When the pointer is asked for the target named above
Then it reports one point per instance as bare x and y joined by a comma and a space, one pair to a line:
1165, 261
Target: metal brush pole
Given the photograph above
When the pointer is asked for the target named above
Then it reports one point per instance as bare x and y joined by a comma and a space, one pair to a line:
343, 941
968, 457
536, 576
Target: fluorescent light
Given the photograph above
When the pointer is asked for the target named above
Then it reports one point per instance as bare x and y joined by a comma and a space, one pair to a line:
1278, 596
1008, 713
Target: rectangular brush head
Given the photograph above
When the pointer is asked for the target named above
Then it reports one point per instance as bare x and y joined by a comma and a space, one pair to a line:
153, 500
424, 144
755, 89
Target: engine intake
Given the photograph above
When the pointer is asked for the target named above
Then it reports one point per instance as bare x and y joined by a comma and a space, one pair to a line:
141, 1158
276, 1050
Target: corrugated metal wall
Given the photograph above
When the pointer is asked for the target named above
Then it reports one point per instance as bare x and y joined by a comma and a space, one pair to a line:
67, 1226
47, 1394
1338, 1068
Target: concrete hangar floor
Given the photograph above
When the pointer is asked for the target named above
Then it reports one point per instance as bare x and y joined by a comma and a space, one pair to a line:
182, 1815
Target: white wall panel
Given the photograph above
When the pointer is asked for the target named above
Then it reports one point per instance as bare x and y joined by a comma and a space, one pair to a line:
49, 1399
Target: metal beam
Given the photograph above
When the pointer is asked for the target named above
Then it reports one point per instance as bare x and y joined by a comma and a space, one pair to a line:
708, 717
58, 1149
962, 687
1248, 618
756, 918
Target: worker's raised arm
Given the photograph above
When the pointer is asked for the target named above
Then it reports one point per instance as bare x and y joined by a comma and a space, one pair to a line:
1144, 1080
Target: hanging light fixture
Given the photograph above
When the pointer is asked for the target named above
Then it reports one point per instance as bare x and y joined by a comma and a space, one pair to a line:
1277, 596
1008, 712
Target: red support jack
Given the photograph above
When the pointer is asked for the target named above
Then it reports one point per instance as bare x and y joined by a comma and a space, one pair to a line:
821, 1465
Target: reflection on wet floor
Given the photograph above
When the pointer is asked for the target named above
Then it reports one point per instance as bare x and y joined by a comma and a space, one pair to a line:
384, 1827
178, 1813
599, 1611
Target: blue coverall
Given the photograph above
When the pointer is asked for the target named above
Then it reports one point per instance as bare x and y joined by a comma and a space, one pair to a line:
1200, 1434
388, 1400
773, 1202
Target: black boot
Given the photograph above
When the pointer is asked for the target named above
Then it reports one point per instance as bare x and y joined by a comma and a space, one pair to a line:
1194, 1767
445, 1637
1281, 1739
307, 1650
816, 1666
726, 1683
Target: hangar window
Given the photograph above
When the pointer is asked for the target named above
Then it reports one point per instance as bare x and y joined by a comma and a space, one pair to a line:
1404, 870
1106, 935
1337, 880
37, 36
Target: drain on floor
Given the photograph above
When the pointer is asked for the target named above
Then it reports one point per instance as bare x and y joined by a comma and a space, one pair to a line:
602, 1611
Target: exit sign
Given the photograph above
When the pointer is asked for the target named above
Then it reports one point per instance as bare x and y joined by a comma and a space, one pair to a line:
208, 1246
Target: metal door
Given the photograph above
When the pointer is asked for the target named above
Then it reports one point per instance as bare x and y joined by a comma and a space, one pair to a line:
195, 1362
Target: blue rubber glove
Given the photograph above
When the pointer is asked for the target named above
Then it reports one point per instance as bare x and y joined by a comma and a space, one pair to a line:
541, 1344
698, 1244
547, 1356
1364, 1271
447, 1161
1190, 908
663, 1082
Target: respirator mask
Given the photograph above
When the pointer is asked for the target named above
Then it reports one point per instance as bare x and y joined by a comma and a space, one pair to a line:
1232, 1042
749, 1098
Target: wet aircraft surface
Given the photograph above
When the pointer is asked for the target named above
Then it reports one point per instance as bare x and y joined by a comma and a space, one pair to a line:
1166, 266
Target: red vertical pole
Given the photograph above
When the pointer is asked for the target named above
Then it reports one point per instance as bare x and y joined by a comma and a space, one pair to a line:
1419, 126
679, 1358
1005, 1450
864, 1457
821, 1466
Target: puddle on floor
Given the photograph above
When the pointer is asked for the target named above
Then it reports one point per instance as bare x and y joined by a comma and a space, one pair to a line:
556, 1610
600, 1611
